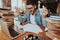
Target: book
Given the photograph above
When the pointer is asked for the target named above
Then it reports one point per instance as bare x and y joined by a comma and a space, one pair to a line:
54, 18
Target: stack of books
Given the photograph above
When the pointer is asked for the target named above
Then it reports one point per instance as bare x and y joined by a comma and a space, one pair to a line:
54, 17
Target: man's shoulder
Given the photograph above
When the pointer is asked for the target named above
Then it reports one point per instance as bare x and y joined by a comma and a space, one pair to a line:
38, 12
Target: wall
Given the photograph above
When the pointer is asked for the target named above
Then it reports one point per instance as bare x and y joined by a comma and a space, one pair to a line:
1, 4
17, 3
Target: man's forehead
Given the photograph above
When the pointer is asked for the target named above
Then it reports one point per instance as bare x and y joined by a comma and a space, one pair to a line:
28, 6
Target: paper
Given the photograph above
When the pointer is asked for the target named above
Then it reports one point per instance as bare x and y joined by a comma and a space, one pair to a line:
55, 39
32, 28
28, 27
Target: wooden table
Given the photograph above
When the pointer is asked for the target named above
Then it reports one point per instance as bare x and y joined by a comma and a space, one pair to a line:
4, 36
53, 35
41, 34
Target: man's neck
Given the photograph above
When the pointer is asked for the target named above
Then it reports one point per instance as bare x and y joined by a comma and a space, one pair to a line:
34, 12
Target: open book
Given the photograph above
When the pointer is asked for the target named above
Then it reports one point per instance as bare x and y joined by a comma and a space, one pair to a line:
28, 27
32, 28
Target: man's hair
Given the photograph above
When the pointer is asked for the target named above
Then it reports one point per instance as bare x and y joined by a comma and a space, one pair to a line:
32, 2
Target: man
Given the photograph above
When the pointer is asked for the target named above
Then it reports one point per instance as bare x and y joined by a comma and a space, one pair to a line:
33, 15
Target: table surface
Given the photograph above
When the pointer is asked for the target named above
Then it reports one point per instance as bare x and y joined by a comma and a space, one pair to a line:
41, 34
4, 36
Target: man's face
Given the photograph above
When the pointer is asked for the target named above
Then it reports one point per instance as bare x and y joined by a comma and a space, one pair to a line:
31, 8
